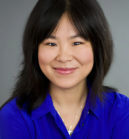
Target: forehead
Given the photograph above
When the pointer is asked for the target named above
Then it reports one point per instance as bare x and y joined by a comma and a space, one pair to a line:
65, 26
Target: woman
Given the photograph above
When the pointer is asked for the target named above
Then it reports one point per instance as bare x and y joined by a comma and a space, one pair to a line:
67, 49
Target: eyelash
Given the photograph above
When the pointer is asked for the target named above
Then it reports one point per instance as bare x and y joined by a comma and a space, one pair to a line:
53, 44
78, 42
50, 43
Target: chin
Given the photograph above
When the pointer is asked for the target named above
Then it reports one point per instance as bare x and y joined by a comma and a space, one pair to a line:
66, 85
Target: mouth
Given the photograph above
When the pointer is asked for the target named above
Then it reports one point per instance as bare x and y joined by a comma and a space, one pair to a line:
65, 71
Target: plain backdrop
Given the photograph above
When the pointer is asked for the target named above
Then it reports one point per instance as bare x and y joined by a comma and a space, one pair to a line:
13, 16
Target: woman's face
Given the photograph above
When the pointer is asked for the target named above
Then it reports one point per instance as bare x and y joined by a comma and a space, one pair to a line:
65, 58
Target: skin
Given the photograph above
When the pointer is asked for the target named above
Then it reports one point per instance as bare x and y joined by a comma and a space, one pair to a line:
65, 48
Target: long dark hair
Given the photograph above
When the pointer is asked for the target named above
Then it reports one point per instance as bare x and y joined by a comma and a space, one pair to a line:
88, 18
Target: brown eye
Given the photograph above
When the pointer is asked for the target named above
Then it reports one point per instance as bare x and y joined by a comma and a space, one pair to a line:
77, 43
51, 44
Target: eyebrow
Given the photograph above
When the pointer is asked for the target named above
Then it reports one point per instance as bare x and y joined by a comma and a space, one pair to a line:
71, 37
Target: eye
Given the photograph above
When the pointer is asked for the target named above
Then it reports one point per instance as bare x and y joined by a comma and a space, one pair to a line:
77, 43
51, 44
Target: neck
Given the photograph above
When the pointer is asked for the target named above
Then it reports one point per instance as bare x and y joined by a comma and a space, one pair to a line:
69, 98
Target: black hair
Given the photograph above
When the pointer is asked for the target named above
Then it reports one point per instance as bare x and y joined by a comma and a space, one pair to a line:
88, 18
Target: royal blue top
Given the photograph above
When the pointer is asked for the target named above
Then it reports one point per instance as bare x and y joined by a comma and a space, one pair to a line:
108, 120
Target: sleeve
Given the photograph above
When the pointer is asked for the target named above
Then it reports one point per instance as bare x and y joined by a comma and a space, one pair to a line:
121, 127
12, 124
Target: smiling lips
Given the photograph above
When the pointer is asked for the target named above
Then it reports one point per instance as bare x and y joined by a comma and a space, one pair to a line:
65, 71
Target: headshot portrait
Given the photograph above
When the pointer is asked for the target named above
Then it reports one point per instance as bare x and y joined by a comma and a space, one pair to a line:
65, 85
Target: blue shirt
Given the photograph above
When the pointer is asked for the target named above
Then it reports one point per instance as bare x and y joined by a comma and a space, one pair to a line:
108, 120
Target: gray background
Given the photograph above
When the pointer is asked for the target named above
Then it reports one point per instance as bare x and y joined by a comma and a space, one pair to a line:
13, 16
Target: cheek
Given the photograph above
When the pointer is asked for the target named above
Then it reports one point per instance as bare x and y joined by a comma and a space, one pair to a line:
45, 56
85, 56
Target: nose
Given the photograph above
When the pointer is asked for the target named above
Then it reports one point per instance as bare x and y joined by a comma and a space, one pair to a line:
64, 54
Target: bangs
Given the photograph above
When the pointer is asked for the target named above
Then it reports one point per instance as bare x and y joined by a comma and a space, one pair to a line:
47, 19
87, 17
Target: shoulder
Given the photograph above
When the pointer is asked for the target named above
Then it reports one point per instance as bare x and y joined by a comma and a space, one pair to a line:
11, 111
114, 104
10, 108
13, 120
117, 100
116, 107
10, 114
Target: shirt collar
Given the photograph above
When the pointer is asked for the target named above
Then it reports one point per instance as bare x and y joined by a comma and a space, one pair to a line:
95, 109
44, 108
47, 106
